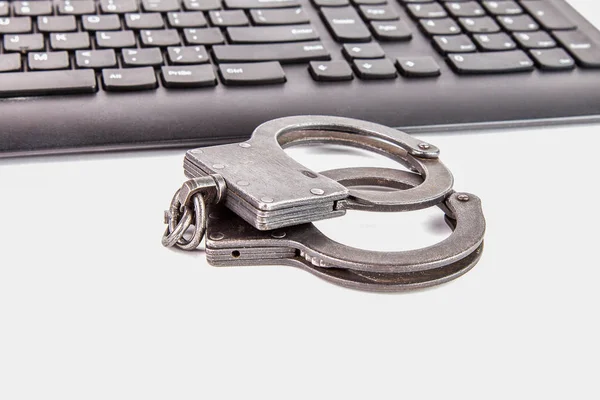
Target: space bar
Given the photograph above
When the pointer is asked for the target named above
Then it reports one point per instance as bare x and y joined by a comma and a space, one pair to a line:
47, 82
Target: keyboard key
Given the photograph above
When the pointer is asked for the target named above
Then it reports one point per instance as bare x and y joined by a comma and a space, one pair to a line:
381, 68
77, 7
454, 44
252, 74
10, 62
144, 21
4, 9
142, 57
95, 58
288, 52
48, 60
228, 18
247, 4
418, 67
330, 71
494, 42
345, 24
363, 50
427, 10
129, 79
283, 16
32, 7
160, 5
47, 82
368, 2
118, 6
391, 30
331, 3
553, 59
115, 39
547, 15
24, 43
63, 23
445, 26
535, 40
201, 5
207, 36
101, 22
162, 38
70, 41
194, 19
187, 55
479, 25
503, 7
188, 77
491, 63
272, 34
15, 25
378, 13
465, 9
521, 23
585, 51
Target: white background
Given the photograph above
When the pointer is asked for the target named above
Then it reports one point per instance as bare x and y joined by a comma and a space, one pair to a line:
93, 307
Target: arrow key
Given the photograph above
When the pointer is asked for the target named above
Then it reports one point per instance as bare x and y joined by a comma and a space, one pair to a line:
417, 66
363, 50
330, 71
375, 69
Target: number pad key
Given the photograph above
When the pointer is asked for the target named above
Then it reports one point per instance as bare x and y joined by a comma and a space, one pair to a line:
427, 10
553, 59
494, 42
454, 44
520, 23
503, 7
535, 40
479, 25
444, 26
465, 9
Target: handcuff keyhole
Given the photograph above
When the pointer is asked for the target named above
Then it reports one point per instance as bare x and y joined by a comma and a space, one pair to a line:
235, 254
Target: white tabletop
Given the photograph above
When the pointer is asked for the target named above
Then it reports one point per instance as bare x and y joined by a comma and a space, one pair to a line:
93, 307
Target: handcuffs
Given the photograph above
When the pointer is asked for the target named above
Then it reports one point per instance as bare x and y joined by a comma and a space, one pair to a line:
256, 205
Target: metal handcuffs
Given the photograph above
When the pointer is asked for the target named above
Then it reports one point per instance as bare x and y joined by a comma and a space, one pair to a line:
262, 203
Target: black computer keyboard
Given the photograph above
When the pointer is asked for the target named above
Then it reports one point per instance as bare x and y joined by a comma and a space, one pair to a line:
81, 75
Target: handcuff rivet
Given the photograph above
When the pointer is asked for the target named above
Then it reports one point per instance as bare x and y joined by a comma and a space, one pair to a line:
217, 236
266, 199
424, 146
218, 166
317, 191
462, 197
278, 234
245, 145
243, 183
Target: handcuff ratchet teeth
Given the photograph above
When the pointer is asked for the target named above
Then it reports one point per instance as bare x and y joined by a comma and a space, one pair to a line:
266, 202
